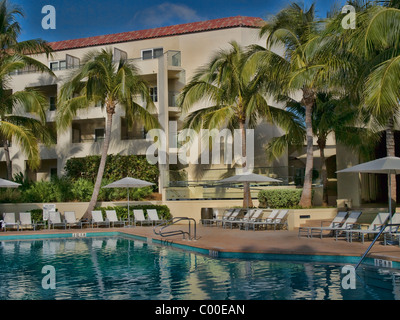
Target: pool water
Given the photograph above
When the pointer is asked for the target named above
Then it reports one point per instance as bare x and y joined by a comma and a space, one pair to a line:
124, 269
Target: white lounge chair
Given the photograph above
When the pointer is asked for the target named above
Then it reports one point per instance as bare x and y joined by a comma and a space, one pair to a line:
25, 220
278, 220
139, 217
336, 222
257, 215
374, 228
243, 220
55, 220
70, 220
9, 221
97, 219
227, 213
348, 224
111, 217
154, 217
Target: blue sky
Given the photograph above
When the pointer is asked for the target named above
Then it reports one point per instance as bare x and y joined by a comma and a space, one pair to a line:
85, 18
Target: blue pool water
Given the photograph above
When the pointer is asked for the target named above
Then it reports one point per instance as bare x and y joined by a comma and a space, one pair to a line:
124, 269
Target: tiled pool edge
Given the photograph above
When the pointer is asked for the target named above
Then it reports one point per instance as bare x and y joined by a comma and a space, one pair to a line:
210, 252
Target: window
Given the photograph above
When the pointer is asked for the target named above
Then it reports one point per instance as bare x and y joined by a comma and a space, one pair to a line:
99, 134
152, 53
153, 94
53, 103
58, 65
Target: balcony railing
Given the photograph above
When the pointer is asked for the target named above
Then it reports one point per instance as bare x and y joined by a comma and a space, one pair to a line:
173, 60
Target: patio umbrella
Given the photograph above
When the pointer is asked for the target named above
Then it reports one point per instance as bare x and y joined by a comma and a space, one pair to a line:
387, 165
8, 184
248, 177
128, 183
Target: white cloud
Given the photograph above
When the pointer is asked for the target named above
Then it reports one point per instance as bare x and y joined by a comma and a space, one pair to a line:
164, 14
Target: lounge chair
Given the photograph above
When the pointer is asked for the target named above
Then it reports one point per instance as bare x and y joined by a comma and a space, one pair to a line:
9, 221
392, 232
348, 224
374, 228
97, 219
257, 217
232, 217
25, 220
55, 220
336, 222
70, 220
278, 220
139, 217
225, 215
243, 220
153, 216
111, 217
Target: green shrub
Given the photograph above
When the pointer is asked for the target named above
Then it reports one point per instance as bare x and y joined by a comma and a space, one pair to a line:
82, 190
117, 167
279, 198
122, 212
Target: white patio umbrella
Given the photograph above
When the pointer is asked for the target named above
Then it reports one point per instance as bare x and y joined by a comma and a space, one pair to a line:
8, 184
247, 177
387, 165
128, 183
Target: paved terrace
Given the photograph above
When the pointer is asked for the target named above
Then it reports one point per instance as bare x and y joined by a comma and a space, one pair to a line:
260, 241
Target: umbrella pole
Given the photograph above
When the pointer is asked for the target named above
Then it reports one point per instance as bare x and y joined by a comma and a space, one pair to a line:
390, 198
129, 217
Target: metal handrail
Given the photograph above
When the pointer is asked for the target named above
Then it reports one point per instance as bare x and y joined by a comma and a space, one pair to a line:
373, 242
176, 232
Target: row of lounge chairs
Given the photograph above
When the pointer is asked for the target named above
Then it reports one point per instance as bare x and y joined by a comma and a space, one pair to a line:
253, 219
25, 220
345, 225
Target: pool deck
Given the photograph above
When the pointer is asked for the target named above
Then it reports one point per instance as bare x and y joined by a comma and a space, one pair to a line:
242, 241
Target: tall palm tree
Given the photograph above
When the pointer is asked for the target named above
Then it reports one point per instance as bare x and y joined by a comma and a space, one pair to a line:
296, 69
100, 79
330, 116
375, 77
14, 57
236, 95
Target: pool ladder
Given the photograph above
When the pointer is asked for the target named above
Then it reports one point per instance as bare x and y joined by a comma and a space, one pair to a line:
190, 234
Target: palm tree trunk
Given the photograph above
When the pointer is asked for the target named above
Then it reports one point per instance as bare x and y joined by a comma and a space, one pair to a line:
306, 196
8, 159
324, 175
247, 201
102, 166
390, 152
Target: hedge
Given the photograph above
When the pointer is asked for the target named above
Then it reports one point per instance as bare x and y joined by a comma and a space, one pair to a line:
117, 167
280, 198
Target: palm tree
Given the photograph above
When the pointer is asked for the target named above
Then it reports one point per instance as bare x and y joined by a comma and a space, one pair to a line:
330, 116
111, 83
13, 57
372, 71
296, 69
236, 96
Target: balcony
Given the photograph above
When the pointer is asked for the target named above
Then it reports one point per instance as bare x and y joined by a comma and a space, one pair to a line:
88, 131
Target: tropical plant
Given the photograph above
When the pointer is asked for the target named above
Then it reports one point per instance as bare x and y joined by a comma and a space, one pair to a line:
235, 98
296, 69
372, 70
330, 115
111, 83
27, 130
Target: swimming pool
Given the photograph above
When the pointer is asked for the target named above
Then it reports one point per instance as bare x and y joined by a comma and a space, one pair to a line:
123, 268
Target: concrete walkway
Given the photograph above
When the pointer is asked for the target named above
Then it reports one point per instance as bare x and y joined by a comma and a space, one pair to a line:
261, 241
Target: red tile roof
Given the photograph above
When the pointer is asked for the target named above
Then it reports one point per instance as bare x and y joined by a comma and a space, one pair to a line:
223, 23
